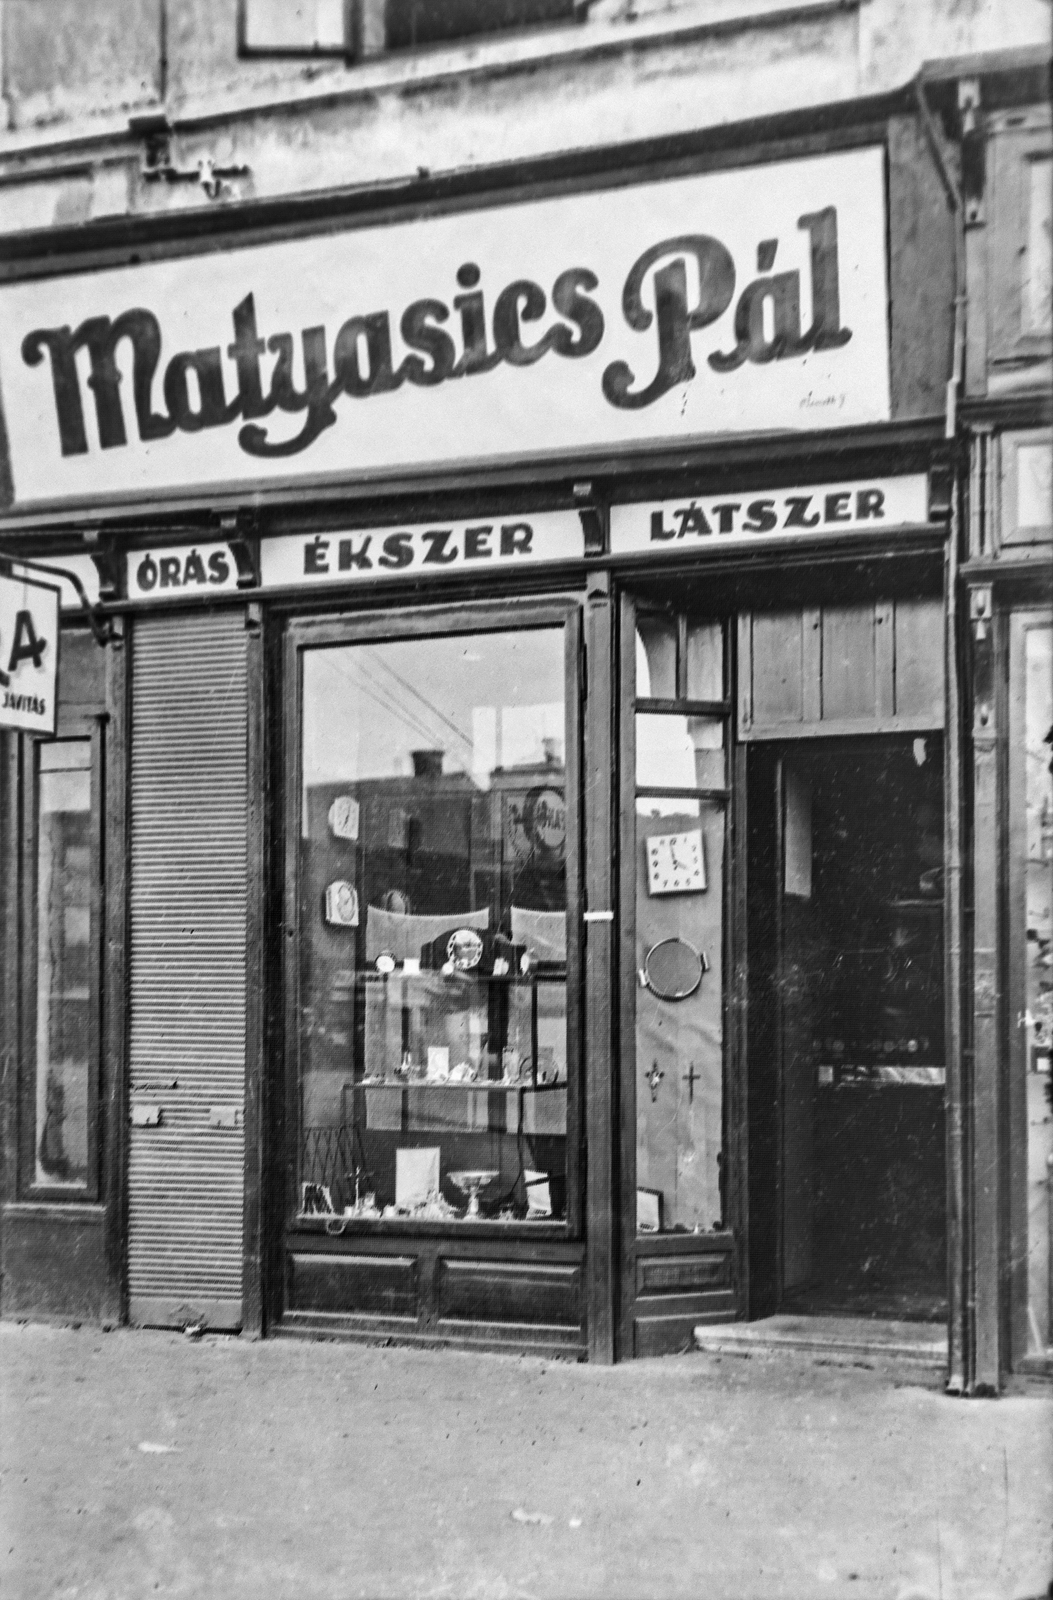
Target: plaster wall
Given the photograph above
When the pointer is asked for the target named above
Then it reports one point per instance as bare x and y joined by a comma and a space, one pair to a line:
659, 67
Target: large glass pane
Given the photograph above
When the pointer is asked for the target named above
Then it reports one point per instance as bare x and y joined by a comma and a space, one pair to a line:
1038, 1016
679, 1032
63, 963
433, 927
678, 752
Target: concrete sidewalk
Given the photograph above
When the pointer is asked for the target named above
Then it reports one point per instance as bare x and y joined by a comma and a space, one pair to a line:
138, 1464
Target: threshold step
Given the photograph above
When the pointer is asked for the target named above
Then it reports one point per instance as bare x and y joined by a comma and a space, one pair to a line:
847, 1340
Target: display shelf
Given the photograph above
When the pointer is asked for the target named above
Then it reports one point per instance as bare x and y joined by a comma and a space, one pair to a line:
476, 1086
880, 1077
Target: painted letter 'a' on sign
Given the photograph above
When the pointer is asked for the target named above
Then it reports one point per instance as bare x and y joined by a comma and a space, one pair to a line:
29, 646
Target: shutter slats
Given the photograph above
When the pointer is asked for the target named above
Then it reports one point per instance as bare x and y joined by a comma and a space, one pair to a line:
187, 910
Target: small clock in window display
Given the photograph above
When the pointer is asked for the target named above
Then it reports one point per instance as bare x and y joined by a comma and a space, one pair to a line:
676, 863
341, 904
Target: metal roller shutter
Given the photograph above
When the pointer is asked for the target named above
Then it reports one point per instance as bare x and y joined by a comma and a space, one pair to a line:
187, 913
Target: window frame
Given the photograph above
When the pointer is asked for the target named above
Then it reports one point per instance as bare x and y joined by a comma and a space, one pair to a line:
438, 621
1014, 147
722, 710
78, 725
360, 45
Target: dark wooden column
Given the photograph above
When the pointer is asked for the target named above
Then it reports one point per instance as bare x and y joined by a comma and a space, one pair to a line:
113, 1101
600, 996
984, 1177
255, 974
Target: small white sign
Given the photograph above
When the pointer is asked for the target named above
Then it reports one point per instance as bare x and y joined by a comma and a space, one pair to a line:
176, 570
422, 550
29, 646
744, 516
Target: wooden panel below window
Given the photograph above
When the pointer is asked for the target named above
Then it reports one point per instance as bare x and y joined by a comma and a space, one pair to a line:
368, 1284
510, 1292
665, 1327
689, 1274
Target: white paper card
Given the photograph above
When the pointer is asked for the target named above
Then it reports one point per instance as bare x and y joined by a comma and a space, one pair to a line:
416, 1175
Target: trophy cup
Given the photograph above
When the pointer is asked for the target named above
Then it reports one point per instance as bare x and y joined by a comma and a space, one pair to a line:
470, 1183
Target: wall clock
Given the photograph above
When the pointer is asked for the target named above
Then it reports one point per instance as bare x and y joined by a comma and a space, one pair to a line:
343, 817
341, 904
675, 863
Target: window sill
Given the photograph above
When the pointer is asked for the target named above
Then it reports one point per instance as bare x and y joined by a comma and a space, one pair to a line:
406, 1227
55, 1208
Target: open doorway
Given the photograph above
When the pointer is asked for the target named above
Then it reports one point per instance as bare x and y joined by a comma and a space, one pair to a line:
846, 1033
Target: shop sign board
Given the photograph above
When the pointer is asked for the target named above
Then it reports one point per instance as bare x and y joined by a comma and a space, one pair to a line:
746, 301
703, 522
29, 646
179, 570
482, 545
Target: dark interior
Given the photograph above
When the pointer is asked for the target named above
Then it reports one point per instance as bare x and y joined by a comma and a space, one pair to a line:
846, 1048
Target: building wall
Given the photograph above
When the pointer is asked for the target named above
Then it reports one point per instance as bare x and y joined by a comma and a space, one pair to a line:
626, 72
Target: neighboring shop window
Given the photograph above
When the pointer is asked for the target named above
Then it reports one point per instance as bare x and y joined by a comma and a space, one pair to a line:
433, 870
681, 732
62, 907
1037, 1019
63, 1108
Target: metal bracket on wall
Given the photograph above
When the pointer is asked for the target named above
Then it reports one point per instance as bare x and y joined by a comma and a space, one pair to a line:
159, 167
101, 627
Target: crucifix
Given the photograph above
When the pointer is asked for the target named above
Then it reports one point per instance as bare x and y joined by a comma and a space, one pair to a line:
691, 1078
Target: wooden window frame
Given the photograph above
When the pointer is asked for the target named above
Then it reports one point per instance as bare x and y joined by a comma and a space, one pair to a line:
731, 1238
485, 616
365, 34
78, 726
1013, 149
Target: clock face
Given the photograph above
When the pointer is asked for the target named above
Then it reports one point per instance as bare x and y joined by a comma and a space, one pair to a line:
343, 817
675, 863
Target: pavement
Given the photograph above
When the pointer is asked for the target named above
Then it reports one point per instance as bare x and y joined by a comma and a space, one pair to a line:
138, 1464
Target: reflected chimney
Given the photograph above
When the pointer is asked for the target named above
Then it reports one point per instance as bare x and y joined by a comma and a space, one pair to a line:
427, 763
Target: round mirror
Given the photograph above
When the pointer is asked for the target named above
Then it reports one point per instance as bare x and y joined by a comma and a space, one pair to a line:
673, 969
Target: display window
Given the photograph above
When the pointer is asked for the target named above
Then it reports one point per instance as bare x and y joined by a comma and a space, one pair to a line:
680, 731
62, 859
435, 860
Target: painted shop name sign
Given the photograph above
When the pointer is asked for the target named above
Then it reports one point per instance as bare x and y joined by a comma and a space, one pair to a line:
29, 644
700, 523
731, 302
421, 550
202, 569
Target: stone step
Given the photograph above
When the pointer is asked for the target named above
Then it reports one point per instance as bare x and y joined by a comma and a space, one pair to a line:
842, 1340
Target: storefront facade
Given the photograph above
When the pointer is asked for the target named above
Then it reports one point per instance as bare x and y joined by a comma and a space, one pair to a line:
512, 836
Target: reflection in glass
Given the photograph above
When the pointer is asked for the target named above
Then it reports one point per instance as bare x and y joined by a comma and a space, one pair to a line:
679, 1043
679, 752
1038, 1016
655, 657
433, 926
63, 963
